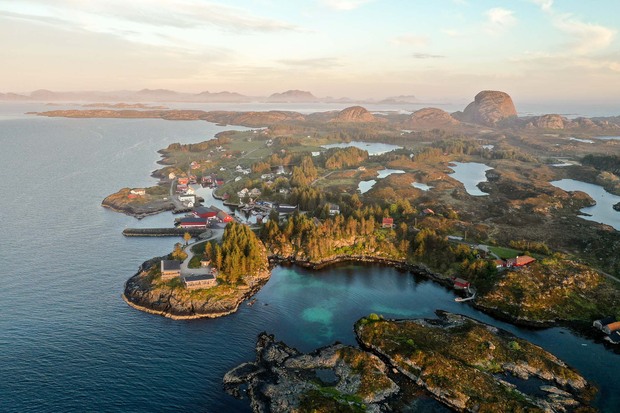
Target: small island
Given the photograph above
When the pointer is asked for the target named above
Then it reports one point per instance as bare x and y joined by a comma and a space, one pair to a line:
462, 363
212, 283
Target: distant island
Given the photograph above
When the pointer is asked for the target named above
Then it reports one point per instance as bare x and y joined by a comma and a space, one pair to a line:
165, 95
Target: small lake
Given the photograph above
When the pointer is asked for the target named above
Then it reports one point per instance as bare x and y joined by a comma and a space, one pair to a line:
602, 211
422, 186
373, 148
470, 174
365, 186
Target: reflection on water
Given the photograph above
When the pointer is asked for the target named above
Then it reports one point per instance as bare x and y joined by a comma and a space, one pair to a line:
470, 174
603, 210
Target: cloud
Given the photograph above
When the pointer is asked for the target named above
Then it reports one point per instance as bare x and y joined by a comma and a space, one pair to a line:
427, 56
586, 37
344, 4
412, 40
545, 5
151, 15
499, 19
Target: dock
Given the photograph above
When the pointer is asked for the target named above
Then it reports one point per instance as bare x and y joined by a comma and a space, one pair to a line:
162, 232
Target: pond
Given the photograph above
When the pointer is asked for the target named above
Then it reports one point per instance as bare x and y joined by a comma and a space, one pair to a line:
602, 211
365, 186
373, 148
422, 186
470, 174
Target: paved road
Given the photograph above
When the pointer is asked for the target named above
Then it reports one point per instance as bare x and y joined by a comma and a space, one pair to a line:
185, 270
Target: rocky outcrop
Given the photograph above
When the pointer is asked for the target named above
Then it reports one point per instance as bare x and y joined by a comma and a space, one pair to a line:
549, 122
461, 362
430, 118
354, 114
333, 378
488, 108
138, 207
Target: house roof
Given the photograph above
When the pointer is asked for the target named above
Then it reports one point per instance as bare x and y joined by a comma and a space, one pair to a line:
613, 326
198, 277
614, 337
606, 320
170, 265
524, 260
388, 220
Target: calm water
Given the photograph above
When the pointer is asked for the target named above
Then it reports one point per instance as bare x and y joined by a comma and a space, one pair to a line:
68, 343
365, 186
470, 174
373, 148
603, 210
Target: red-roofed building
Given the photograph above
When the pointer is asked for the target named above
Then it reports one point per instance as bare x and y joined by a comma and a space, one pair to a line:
460, 284
520, 261
224, 217
387, 223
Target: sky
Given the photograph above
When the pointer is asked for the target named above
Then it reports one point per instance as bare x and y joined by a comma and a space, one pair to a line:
535, 50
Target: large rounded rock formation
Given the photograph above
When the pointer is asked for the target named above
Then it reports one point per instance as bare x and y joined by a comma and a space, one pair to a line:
488, 108
354, 114
429, 118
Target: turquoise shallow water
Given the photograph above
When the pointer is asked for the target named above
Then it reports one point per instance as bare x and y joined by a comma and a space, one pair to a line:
68, 343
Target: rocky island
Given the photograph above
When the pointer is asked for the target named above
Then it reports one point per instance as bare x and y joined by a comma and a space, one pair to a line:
466, 365
239, 270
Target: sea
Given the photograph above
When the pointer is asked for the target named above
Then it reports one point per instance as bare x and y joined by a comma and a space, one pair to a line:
69, 343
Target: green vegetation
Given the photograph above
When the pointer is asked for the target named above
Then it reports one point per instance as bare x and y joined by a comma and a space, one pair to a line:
328, 400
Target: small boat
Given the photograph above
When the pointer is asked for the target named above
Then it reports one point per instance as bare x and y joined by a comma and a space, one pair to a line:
251, 303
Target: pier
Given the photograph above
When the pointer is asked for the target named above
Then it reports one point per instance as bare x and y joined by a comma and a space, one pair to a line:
162, 232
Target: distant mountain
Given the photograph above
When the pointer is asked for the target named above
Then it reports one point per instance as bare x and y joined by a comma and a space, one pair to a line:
292, 96
398, 99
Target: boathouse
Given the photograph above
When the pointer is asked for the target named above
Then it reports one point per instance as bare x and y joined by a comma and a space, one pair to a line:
195, 282
460, 284
170, 269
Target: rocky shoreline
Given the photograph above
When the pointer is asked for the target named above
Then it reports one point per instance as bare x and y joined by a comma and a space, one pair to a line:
462, 363
138, 211
180, 304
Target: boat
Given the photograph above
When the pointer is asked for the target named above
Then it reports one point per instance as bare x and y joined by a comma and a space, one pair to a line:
251, 303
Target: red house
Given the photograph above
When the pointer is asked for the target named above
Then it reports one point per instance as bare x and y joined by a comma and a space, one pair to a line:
387, 223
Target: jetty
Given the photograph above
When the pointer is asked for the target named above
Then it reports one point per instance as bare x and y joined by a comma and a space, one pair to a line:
162, 232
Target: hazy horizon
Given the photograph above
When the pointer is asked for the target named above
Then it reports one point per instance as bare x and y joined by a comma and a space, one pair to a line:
447, 50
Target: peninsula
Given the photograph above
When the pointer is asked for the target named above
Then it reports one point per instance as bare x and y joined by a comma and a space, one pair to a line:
304, 178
